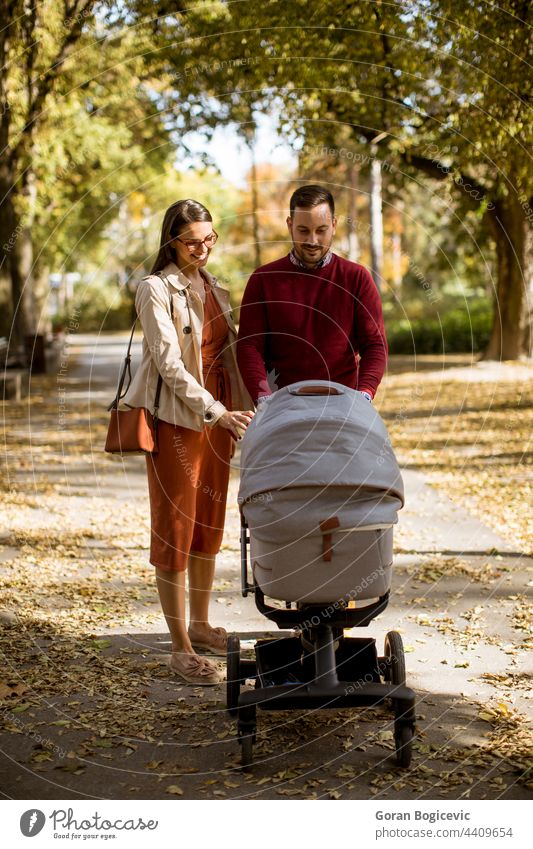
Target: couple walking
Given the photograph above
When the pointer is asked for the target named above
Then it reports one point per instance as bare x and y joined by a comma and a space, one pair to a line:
309, 315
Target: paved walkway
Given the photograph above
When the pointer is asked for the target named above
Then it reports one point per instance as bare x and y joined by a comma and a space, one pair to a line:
89, 709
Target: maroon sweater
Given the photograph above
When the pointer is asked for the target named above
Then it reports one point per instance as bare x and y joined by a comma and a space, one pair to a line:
311, 324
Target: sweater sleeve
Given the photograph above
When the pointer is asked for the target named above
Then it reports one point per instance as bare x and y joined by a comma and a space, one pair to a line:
253, 330
370, 334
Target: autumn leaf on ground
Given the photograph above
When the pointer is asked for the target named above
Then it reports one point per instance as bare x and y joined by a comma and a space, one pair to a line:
7, 690
174, 790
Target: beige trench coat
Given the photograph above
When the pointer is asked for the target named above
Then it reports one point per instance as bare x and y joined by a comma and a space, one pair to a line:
172, 348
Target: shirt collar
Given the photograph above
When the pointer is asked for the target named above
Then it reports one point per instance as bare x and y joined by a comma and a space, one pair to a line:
323, 262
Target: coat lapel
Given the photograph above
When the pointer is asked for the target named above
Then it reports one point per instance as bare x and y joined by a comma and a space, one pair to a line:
176, 278
179, 282
223, 297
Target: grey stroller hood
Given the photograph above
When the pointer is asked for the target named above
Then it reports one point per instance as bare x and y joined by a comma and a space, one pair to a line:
322, 441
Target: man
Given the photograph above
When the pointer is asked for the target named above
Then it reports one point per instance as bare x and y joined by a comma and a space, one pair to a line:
311, 315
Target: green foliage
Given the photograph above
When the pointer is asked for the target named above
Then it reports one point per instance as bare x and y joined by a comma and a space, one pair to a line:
103, 99
452, 329
99, 142
443, 87
82, 127
102, 306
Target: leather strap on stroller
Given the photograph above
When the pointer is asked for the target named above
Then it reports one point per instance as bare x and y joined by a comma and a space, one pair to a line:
326, 526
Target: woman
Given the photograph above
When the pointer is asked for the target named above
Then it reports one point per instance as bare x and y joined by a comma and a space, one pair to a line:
189, 339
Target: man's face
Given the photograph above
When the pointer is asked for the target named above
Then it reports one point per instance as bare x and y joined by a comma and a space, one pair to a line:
312, 232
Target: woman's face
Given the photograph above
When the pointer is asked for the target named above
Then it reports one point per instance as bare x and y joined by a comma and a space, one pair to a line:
191, 249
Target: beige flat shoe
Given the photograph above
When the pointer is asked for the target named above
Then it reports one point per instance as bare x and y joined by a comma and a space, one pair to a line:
216, 643
193, 669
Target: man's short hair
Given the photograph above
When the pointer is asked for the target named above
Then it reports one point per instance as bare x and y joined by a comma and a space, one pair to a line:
308, 196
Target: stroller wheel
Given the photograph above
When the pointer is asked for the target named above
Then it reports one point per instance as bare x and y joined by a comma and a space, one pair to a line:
395, 659
403, 737
233, 684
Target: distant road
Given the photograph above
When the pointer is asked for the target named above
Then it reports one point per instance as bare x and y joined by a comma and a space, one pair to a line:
97, 357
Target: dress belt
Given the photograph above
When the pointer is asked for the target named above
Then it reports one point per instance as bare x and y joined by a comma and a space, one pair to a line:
214, 368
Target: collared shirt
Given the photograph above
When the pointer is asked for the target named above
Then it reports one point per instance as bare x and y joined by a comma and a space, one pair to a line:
320, 264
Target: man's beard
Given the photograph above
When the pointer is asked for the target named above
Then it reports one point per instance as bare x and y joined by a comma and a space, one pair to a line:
312, 257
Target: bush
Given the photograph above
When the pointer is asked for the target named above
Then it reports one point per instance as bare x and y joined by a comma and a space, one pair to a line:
103, 306
456, 331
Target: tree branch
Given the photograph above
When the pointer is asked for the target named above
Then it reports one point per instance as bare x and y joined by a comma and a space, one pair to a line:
431, 167
473, 192
28, 24
8, 10
75, 17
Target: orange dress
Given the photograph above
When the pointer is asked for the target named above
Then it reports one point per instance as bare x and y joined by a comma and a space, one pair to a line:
188, 477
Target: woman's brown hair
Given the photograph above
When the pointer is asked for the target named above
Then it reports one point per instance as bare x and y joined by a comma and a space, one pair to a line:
177, 216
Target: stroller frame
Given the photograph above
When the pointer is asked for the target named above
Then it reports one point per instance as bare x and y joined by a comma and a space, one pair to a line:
318, 668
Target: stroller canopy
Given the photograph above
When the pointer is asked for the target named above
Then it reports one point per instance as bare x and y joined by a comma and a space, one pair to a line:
315, 440
335, 445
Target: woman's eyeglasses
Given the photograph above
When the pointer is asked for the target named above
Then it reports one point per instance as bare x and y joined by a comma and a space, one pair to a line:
195, 244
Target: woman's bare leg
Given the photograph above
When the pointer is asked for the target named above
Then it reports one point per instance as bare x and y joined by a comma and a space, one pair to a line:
183, 660
201, 574
171, 589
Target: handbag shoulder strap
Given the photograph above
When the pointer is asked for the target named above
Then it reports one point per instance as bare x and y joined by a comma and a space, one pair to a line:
126, 368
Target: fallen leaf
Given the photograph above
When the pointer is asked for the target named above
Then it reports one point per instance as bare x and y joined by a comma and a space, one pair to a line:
174, 790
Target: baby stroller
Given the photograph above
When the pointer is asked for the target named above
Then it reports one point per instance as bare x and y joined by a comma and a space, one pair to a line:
319, 494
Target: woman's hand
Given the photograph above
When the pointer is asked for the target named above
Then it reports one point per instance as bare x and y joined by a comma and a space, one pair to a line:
232, 420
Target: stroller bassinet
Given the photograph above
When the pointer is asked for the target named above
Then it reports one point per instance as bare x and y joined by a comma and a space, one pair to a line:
320, 491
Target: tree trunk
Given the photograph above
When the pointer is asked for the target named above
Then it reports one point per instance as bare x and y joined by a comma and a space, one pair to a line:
16, 256
16, 260
510, 335
353, 238
21, 283
7, 241
376, 221
255, 210
528, 274
41, 297
396, 246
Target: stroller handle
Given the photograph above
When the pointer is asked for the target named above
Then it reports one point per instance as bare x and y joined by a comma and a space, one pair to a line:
316, 390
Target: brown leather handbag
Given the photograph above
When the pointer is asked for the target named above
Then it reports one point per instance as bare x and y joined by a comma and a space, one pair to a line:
133, 431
